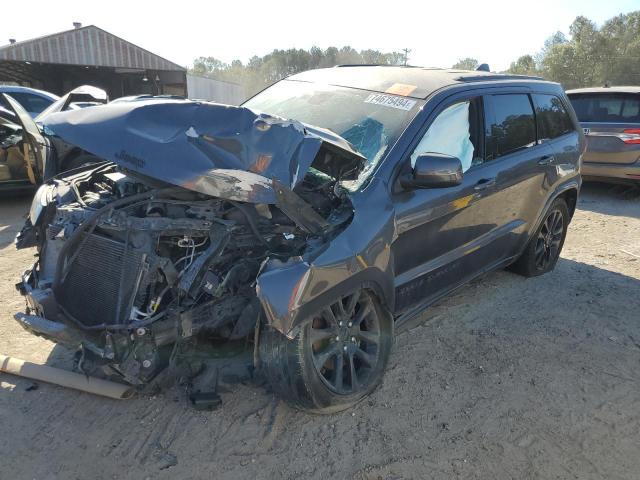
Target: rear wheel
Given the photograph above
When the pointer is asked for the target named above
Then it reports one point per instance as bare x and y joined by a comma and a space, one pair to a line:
544, 247
338, 357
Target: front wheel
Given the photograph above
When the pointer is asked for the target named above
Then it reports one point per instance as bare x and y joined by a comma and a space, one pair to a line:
337, 359
543, 250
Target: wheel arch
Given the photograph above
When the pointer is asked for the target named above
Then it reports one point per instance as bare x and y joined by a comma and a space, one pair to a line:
288, 321
570, 197
568, 192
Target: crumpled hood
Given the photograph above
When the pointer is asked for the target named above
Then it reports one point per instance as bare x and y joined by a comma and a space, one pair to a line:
219, 150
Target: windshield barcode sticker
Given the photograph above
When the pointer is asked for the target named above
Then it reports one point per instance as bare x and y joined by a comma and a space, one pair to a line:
390, 101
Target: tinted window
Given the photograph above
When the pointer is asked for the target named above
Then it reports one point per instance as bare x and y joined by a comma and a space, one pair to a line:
31, 103
553, 120
513, 127
455, 131
606, 107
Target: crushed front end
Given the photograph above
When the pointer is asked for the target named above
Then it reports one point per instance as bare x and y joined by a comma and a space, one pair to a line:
131, 270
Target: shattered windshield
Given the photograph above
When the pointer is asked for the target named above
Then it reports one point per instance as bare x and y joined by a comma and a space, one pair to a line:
370, 121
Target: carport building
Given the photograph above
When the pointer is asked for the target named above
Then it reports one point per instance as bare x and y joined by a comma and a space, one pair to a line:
89, 55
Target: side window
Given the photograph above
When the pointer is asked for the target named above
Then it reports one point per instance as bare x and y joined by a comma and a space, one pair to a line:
513, 127
606, 107
31, 103
552, 119
456, 131
630, 110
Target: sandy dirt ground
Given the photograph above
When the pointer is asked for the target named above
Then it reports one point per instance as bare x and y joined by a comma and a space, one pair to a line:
507, 379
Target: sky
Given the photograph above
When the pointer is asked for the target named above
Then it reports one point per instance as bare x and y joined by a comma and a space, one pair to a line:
438, 33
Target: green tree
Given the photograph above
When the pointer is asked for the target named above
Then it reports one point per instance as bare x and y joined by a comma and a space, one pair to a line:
208, 66
589, 56
394, 58
525, 65
260, 72
348, 56
466, 64
620, 37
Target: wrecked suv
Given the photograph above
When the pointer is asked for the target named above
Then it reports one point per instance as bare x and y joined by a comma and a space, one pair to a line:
310, 221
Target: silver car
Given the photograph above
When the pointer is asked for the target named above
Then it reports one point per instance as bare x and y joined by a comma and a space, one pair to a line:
610, 118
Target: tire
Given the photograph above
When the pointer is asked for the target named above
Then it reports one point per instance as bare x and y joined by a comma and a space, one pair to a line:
544, 247
354, 332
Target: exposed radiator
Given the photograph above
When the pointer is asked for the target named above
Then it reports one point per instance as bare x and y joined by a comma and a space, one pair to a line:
91, 288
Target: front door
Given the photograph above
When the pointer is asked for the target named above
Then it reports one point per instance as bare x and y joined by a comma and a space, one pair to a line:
446, 236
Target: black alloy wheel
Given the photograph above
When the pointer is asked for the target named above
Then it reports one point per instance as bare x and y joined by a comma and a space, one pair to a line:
345, 341
337, 358
543, 249
549, 239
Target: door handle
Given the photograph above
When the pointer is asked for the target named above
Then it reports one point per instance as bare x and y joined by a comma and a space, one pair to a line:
485, 183
546, 160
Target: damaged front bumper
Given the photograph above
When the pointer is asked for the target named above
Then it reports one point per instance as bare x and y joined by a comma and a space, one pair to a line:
42, 307
131, 283
133, 267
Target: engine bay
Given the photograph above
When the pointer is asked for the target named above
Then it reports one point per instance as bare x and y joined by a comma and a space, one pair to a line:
141, 267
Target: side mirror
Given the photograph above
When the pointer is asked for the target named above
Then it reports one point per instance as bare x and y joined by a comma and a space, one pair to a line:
434, 170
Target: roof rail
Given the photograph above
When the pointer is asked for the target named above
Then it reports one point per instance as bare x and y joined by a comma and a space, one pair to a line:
359, 65
497, 76
372, 65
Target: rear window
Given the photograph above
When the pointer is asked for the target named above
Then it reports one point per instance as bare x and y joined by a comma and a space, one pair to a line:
31, 103
513, 126
607, 107
553, 120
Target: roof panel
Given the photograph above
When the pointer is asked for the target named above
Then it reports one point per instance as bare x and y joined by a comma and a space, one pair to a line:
418, 81
86, 46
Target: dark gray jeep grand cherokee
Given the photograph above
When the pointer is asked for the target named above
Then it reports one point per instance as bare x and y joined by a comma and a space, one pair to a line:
310, 221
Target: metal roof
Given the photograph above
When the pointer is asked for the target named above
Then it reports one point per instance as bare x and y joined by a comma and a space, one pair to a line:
621, 89
86, 46
416, 82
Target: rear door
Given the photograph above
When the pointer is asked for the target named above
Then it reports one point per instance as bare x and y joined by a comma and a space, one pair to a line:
611, 123
557, 131
521, 166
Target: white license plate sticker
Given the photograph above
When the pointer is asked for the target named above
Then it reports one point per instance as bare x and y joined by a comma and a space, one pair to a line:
392, 101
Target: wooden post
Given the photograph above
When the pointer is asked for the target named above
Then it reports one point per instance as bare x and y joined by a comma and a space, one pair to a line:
27, 160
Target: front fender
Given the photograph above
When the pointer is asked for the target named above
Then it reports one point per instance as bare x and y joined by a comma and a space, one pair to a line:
359, 257
296, 291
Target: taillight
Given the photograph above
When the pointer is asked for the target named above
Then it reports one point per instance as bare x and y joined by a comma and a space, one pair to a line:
631, 136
